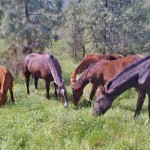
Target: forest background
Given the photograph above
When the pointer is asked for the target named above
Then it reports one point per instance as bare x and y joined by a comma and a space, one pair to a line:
82, 26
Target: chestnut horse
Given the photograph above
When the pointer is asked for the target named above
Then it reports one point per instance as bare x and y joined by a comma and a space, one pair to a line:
98, 74
87, 61
45, 66
136, 75
6, 82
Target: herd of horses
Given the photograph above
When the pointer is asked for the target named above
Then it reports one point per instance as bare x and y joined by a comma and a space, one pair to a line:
110, 74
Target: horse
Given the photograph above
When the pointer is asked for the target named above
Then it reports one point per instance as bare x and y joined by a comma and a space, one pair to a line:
98, 74
87, 61
136, 75
6, 82
47, 67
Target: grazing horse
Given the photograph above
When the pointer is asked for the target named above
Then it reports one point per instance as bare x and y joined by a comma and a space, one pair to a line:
6, 82
136, 75
98, 74
87, 61
45, 66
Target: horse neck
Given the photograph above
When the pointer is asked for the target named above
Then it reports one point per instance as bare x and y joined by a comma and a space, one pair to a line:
81, 67
122, 87
81, 82
85, 63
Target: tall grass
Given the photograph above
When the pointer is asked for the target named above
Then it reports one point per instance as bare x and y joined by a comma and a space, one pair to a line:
35, 122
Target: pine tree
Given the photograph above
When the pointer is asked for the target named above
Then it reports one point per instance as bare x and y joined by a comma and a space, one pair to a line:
30, 21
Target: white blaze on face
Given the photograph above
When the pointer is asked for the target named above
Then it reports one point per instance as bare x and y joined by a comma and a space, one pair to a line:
62, 91
66, 104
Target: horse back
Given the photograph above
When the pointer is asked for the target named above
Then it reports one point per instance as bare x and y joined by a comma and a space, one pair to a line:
105, 70
92, 59
36, 64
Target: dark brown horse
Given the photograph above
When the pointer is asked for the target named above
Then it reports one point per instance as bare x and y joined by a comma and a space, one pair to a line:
98, 74
6, 83
45, 66
87, 61
136, 75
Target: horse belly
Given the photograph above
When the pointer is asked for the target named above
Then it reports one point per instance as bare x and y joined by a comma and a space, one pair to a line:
41, 75
37, 74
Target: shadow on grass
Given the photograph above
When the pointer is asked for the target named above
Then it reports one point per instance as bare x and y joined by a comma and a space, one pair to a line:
82, 104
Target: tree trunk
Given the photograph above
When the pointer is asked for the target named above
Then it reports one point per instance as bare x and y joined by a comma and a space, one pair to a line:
83, 48
26, 10
105, 36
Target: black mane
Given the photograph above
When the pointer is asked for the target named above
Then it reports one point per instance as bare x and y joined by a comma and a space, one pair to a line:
56, 73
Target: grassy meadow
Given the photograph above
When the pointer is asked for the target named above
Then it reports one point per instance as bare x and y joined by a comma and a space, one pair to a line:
37, 123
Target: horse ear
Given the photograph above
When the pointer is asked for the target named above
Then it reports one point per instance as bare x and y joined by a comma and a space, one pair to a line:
108, 84
102, 89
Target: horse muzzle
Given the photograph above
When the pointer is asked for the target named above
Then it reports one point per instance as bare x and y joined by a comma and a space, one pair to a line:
65, 104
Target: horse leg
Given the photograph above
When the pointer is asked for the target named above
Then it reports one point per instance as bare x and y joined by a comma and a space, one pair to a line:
11, 93
27, 83
149, 106
141, 98
148, 120
36, 83
55, 85
93, 91
47, 88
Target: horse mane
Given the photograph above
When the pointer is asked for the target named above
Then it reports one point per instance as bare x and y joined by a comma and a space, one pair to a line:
82, 79
55, 69
126, 70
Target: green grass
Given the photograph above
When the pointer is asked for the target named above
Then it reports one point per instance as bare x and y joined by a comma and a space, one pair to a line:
37, 123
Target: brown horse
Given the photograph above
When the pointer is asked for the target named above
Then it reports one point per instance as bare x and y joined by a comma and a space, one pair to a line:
136, 75
98, 74
6, 82
87, 61
45, 66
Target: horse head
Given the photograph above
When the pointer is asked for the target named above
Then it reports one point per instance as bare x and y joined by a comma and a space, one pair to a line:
62, 93
77, 93
3, 98
102, 103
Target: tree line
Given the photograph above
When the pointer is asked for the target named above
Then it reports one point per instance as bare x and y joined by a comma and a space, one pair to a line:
83, 26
